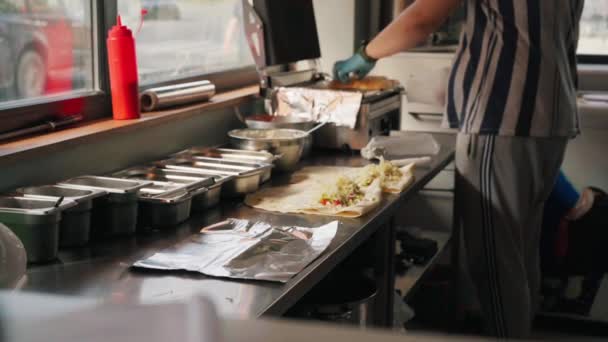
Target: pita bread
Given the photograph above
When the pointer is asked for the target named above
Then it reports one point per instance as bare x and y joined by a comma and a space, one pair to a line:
369, 83
397, 186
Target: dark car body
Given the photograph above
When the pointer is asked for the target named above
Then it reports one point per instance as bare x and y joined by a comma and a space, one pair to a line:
28, 29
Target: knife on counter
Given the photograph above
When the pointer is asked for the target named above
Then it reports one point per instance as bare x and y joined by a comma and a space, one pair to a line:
48, 126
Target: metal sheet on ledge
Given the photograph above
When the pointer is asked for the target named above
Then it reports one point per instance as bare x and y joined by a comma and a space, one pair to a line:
338, 107
243, 249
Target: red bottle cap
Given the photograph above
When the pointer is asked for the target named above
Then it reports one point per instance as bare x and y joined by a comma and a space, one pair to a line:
119, 30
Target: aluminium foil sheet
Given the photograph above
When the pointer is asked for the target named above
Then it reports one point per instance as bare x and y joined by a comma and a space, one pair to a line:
243, 249
338, 107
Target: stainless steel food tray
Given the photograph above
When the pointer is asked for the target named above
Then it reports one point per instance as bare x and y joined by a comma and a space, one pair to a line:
241, 182
116, 213
56, 191
193, 182
238, 165
113, 186
36, 222
164, 205
155, 174
76, 221
34, 208
231, 154
213, 195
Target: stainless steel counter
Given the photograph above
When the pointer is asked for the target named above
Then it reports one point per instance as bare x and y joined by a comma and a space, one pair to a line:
103, 272
70, 320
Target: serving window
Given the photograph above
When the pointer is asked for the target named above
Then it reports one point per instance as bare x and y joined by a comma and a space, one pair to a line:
53, 52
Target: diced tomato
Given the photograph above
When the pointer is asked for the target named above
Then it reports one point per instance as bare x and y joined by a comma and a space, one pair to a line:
337, 202
324, 201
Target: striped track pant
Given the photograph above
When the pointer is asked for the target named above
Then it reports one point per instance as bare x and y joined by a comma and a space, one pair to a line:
502, 184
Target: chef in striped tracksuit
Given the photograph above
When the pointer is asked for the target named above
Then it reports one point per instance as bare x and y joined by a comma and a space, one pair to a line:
512, 95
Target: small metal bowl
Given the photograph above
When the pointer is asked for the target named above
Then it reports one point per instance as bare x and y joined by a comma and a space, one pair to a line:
290, 122
288, 143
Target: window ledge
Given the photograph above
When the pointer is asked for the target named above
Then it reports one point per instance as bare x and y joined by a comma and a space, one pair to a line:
100, 129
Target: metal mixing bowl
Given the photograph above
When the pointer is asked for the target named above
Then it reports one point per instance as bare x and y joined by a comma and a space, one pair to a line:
289, 122
288, 143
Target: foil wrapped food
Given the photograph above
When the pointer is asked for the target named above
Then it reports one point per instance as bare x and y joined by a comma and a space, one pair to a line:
338, 107
243, 249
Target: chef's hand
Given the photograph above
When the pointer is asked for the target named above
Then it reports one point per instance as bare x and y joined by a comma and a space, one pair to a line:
358, 66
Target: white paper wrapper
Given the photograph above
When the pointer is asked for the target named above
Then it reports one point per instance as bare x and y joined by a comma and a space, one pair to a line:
243, 249
401, 145
338, 107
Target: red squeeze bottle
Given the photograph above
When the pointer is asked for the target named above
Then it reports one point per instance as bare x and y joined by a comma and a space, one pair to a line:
123, 72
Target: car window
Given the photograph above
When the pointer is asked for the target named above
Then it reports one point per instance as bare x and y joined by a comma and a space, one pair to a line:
11, 6
52, 55
50, 66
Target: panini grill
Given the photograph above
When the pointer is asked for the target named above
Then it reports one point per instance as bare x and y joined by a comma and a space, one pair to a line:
285, 45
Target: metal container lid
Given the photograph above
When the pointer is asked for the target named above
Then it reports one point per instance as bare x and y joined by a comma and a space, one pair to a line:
164, 193
154, 174
22, 210
194, 166
110, 185
229, 154
56, 191
218, 180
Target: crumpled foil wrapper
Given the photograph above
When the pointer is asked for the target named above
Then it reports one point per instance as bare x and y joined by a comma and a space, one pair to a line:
243, 249
401, 145
338, 107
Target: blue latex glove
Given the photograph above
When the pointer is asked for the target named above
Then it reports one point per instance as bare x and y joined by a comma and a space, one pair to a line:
358, 66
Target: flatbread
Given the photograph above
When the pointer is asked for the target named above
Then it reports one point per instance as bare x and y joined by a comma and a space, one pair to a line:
369, 83
305, 187
397, 187
373, 196
284, 199
303, 198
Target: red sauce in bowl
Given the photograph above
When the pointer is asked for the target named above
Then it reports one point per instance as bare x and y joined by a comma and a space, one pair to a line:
262, 117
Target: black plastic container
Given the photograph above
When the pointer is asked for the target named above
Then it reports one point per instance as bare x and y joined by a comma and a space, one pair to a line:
348, 299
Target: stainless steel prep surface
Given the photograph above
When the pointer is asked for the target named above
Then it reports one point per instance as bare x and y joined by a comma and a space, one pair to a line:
102, 271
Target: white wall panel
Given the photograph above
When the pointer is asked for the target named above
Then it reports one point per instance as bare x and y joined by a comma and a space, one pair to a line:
586, 161
336, 25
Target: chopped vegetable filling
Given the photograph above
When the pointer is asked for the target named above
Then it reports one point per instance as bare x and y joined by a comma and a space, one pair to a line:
385, 171
344, 193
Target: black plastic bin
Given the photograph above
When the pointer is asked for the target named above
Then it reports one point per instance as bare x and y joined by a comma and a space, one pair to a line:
344, 300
